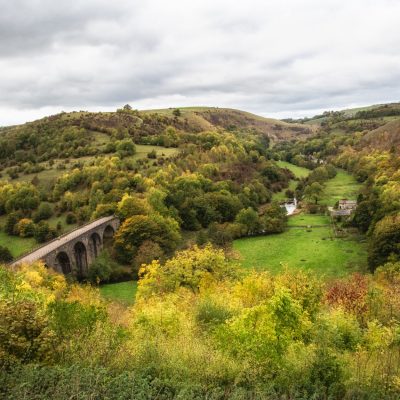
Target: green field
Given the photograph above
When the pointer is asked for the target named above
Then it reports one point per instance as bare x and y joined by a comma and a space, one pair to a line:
17, 245
123, 292
313, 249
342, 186
143, 149
308, 220
299, 172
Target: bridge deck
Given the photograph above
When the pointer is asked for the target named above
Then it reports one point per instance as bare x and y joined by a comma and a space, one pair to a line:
47, 248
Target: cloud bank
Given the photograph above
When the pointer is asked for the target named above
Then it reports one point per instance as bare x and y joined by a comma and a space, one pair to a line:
275, 58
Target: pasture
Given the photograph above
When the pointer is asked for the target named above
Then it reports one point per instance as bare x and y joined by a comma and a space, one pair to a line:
17, 245
342, 186
308, 248
299, 172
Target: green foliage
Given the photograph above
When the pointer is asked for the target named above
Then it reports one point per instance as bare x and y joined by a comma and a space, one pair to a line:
25, 227
135, 230
130, 206
189, 269
177, 112
70, 218
385, 241
44, 211
67, 318
125, 148
200, 330
152, 155
314, 192
23, 332
5, 255
43, 232
19, 197
100, 270
249, 219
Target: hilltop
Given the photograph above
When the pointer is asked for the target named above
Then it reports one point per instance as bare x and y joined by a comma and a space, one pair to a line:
141, 125
209, 118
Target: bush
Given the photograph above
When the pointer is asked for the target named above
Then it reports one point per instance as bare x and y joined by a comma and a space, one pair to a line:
44, 211
100, 270
5, 255
121, 274
26, 228
11, 223
152, 154
43, 232
385, 240
70, 218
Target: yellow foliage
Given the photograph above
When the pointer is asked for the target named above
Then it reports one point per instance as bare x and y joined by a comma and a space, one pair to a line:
85, 294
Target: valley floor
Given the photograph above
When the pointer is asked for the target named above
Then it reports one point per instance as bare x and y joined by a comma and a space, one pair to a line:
308, 244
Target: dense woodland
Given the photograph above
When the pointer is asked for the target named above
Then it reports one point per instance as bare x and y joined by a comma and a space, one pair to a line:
202, 326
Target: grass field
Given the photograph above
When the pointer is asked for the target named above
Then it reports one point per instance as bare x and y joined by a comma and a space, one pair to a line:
299, 172
310, 249
17, 245
342, 186
308, 219
123, 292
143, 149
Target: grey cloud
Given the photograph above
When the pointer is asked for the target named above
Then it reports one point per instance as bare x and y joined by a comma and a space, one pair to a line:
271, 57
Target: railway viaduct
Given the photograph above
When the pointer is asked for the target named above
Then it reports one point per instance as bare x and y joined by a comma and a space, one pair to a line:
73, 252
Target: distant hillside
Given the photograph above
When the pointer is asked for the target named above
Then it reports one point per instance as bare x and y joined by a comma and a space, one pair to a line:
385, 111
206, 118
191, 119
386, 137
86, 134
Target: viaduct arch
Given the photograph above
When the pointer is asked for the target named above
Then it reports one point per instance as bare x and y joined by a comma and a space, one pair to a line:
73, 252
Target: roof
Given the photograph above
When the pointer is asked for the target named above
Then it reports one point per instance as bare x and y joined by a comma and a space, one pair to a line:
345, 201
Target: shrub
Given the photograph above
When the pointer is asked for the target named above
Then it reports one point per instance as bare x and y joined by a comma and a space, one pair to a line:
5, 255
70, 218
44, 211
100, 270
26, 227
43, 232
152, 154
11, 223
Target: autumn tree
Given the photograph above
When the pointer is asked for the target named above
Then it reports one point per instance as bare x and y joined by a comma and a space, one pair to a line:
135, 230
385, 241
314, 192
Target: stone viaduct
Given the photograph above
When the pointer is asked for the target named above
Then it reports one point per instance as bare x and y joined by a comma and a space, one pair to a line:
73, 252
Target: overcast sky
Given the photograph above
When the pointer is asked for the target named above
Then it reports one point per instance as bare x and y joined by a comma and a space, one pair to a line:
276, 58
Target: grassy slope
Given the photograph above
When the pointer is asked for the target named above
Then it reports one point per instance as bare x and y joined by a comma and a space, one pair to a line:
209, 118
342, 186
123, 292
299, 172
17, 245
308, 249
